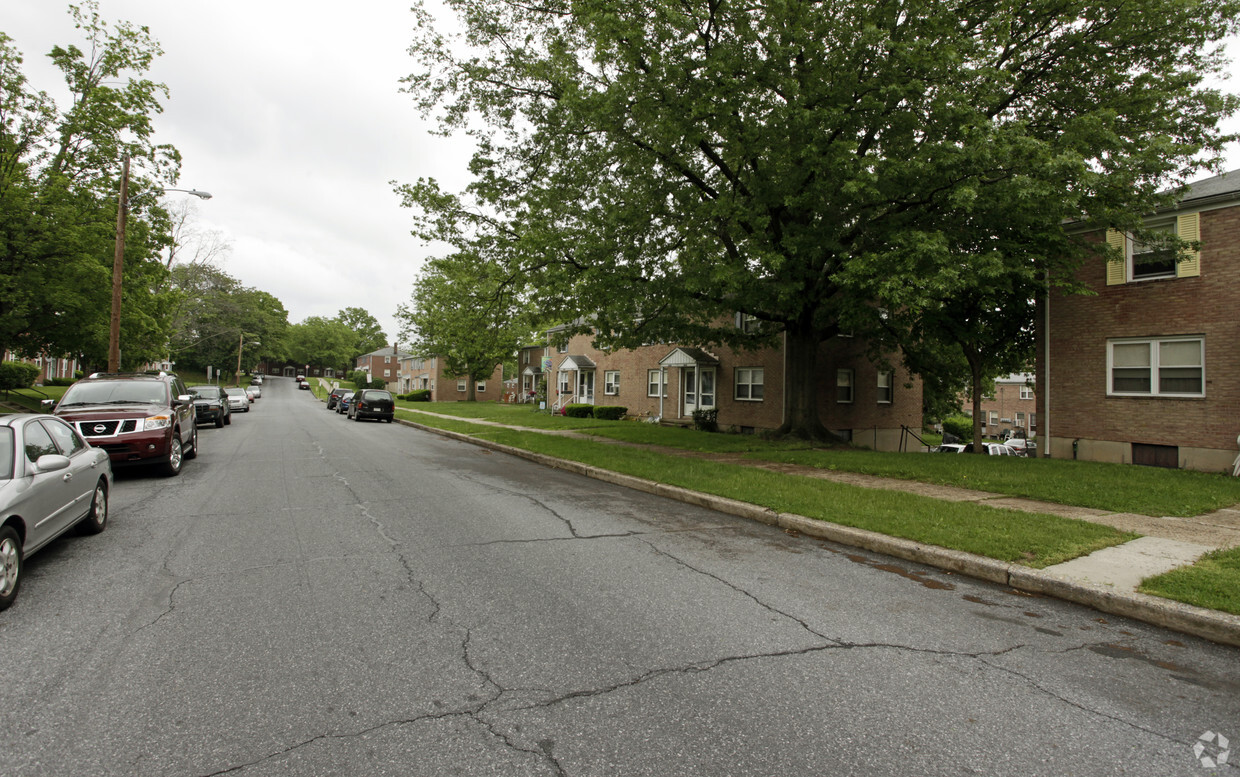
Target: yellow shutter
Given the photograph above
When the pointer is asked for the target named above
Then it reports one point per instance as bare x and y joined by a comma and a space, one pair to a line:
1117, 268
1189, 228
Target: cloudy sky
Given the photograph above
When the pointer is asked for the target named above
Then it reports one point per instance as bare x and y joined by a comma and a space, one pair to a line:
290, 114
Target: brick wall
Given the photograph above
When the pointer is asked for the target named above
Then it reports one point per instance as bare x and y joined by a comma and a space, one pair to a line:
1080, 327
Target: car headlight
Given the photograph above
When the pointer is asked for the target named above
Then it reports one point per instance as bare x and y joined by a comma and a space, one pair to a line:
157, 422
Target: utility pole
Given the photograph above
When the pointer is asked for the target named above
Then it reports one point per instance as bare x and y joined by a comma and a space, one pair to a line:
118, 263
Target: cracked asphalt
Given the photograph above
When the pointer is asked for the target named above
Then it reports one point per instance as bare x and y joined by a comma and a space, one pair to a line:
316, 596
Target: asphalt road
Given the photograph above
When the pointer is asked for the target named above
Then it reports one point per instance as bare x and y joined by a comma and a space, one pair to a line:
316, 596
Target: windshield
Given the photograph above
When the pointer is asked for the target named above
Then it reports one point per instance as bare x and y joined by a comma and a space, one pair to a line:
112, 392
6, 453
235, 392
206, 392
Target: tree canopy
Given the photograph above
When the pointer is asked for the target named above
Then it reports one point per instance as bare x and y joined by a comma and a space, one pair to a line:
367, 334
662, 165
464, 311
59, 173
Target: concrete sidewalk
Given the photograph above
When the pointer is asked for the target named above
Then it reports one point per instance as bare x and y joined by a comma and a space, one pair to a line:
1106, 580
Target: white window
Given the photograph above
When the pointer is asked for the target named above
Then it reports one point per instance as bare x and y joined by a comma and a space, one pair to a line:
844, 386
749, 324
654, 380
387, 373
1157, 367
885, 387
994, 418
1153, 258
462, 384
749, 384
480, 386
611, 382
566, 387
387, 359
1020, 420
1026, 392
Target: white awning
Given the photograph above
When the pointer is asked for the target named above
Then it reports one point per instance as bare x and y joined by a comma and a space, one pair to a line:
575, 363
688, 357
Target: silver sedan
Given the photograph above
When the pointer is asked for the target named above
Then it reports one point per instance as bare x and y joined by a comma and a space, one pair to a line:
51, 480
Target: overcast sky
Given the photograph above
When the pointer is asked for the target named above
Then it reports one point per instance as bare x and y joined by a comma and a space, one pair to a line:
290, 114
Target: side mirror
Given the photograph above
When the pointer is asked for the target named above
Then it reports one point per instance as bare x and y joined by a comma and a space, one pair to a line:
47, 405
51, 462
181, 400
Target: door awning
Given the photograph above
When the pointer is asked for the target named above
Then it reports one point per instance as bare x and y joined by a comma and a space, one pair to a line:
688, 357
575, 363
531, 370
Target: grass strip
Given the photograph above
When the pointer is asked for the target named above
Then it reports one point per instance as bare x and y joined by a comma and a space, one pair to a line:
1123, 488
1034, 540
1213, 582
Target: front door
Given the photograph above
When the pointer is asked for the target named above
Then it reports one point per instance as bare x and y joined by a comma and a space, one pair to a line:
699, 389
585, 386
689, 381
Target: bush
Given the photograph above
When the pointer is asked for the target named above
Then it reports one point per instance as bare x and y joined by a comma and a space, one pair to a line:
959, 425
578, 410
378, 383
419, 395
17, 375
60, 381
609, 412
706, 420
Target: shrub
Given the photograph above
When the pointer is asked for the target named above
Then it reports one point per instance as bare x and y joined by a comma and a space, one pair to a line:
959, 425
59, 381
17, 375
578, 410
609, 412
378, 383
706, 420
419, 395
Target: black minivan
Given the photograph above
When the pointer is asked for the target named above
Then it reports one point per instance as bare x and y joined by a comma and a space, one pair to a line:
372, 403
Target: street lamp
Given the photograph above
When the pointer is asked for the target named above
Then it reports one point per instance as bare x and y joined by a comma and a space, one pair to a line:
118, 262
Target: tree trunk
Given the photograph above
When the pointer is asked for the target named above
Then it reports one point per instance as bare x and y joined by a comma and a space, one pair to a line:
801, 382
975, 371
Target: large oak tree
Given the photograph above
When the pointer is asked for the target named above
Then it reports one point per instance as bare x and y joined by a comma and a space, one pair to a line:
657, 166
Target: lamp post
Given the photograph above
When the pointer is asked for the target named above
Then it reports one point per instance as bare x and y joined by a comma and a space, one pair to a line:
240, 346
118, 262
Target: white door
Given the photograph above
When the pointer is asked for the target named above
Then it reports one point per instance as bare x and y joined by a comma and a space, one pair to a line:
585, 387
706, 388
689, 381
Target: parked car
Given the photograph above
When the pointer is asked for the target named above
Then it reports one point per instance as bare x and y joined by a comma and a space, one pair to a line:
304, 385
333, 398
992, 448
249, 392
1022, 446
372, 403
257, 380
51, 480
343, 405
138, 418
256, 391
238, 400
211, 405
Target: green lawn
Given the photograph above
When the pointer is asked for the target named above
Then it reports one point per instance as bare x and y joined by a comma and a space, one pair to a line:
1036, 540
1111, 487
1213, 582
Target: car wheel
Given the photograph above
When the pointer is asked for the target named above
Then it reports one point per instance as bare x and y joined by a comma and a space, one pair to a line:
228, 419
192, 453
10, 566
172, 467
219, 422
97, 519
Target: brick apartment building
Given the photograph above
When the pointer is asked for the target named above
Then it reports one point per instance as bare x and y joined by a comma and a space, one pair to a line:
1147, 371
859, 400
49, 366
417, 373
1010, 405
383, 364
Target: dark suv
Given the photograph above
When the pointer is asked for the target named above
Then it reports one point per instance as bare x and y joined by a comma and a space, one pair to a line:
138, 418
372, 403
212, 405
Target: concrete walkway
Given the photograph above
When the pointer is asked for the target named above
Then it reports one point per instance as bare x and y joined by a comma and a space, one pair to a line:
1106, 580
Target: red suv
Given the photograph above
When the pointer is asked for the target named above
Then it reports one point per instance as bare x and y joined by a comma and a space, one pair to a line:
138, 418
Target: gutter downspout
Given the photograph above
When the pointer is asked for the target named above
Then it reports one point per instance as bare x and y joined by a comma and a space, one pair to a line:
1045, 431
662, 388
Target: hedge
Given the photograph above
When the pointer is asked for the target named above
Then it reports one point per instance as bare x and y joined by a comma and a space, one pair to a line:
17, 375
609, 412
578, 410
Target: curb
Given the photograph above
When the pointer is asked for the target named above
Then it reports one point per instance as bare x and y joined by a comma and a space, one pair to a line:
1220, 627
